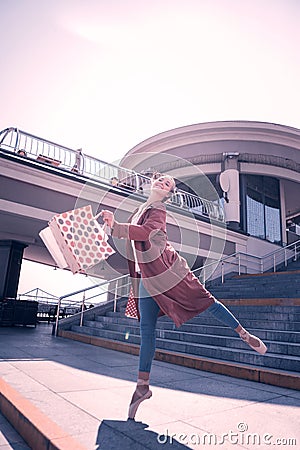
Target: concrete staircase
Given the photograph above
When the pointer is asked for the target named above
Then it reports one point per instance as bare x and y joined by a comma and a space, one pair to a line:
265, 304
278, 326
285, 285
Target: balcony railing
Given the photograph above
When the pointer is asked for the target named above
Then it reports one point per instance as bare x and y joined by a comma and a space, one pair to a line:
47, 152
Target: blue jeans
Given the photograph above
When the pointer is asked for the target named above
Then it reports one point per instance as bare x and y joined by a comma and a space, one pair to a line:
149, 310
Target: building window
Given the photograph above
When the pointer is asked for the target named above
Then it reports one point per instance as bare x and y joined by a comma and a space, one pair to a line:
255, 214
263, 208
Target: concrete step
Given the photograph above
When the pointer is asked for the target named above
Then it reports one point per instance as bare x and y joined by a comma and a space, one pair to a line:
259, 374
270, 290
205, 319
271, 360
272, 276
217, 339
260, 282
279, 273
259, 287
205, 339
241, 293
257, 323
266, 309
251, 308
276, 285
245, 309
266, 334
242, 315
294, 266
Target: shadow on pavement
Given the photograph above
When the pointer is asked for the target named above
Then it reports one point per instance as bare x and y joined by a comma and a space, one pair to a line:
37, 344
129, 435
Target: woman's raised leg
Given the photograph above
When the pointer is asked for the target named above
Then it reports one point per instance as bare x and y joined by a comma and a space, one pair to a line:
220, 312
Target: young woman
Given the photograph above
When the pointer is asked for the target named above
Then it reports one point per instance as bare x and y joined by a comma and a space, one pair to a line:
162, 281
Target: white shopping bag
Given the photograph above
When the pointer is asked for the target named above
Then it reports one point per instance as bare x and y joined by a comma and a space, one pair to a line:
79, 242
53, 247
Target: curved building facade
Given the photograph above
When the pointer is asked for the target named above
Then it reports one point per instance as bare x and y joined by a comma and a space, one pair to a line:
252, 168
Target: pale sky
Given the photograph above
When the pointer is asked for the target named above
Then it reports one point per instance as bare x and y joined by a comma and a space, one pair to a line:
105, 75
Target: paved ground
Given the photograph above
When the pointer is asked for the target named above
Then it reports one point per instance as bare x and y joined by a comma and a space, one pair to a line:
86, 391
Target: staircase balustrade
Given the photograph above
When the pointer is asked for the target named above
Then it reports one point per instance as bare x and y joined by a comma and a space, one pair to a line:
240, 263
115, 288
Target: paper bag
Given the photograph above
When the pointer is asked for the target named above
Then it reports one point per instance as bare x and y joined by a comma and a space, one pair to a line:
81, 241
131, 307
53, 248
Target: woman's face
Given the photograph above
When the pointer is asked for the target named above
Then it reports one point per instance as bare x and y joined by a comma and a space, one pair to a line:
163, 184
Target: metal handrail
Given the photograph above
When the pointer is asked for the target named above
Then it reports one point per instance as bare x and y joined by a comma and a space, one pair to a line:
62, 157
237, 259
84, 298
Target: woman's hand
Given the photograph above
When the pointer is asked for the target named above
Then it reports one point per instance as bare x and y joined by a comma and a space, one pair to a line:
108, 217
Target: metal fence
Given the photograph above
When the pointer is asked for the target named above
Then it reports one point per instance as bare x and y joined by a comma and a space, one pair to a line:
48, 303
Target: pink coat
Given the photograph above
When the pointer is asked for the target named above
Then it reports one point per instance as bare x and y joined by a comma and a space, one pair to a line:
166, 275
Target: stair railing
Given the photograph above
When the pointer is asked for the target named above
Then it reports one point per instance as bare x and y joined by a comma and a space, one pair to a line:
281, 255
243, 263
120, 289
239, 261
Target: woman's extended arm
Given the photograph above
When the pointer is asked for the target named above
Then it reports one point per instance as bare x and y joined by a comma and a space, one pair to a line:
155, 221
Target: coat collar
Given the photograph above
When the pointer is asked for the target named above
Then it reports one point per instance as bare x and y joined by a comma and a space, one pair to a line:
157, 205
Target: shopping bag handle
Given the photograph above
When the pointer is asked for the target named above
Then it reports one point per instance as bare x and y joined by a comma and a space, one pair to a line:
104, 226
97, 215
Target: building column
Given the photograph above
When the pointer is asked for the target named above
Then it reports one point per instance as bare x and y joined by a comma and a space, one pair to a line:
11, 254
230, 184
284, 237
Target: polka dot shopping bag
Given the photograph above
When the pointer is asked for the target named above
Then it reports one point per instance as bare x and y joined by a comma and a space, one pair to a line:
76, 240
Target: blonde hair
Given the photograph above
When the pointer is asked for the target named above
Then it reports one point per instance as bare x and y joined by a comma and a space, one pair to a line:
172, 191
